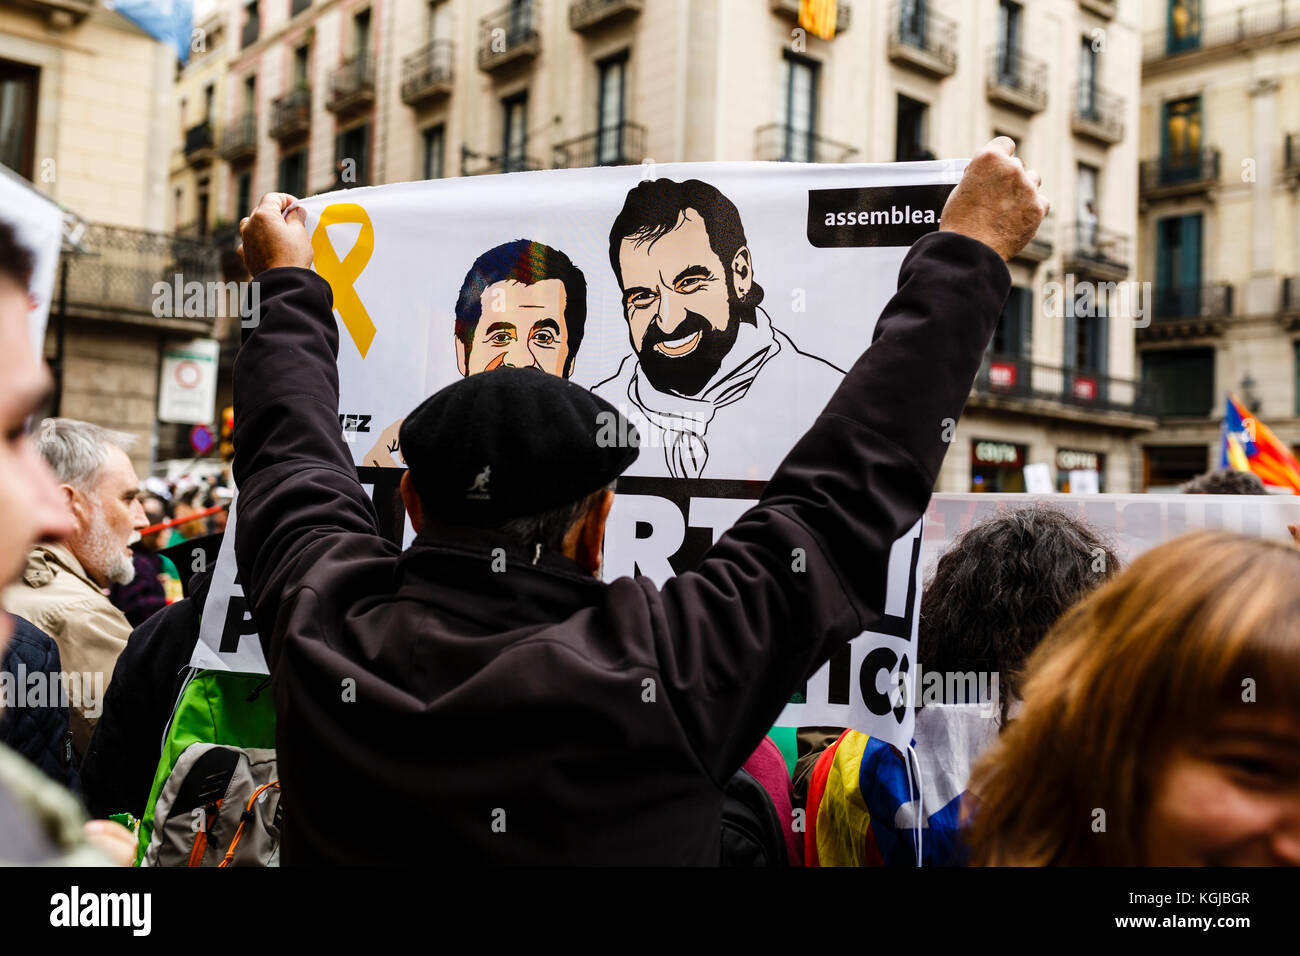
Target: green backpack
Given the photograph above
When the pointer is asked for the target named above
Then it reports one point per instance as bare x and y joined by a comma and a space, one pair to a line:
215, 799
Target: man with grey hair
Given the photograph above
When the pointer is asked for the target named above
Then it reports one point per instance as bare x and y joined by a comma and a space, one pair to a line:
61, 589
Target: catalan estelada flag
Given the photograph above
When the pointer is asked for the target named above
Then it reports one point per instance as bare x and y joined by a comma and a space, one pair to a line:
1249, 445
818, 17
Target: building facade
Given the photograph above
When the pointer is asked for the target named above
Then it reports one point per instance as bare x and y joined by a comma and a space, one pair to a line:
1219, 223
85, 103
331, 93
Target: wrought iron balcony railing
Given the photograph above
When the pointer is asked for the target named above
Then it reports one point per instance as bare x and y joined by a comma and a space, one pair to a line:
509, 35
1098, 114
1095, 253
428, 72
778, 142
1019, 377
1017, 80
922, 39
239, 139
1210, 301
291, 113
116, 274
352, 85
1177, 173
1267, 21
619, 145
587, 15
198, 142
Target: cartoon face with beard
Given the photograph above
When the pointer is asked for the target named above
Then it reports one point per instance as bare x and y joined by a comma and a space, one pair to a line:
683, 300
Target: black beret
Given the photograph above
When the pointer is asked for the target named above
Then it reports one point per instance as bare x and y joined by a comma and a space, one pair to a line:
512, 442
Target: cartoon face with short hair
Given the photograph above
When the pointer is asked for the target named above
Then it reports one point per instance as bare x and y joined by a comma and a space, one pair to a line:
520, 326
522, 304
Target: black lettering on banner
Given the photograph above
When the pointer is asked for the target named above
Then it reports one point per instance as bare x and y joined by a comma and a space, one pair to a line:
877, 660
874, 215
238, 624
387, 497
697, 541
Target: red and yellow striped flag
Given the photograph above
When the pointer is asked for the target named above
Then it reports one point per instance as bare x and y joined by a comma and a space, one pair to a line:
818, 17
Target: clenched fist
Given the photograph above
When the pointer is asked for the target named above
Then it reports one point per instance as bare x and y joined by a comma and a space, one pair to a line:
269, 240
997, 201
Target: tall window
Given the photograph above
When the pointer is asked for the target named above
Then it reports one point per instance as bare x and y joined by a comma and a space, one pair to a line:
1015, 329
252, 23
911, 22
1008, 50
250, 95
293, 173
1181, 380
301, 67
243, 194
361, 33
1180, 136
439, 20
521, 21
1178, 266
1184, 25
354, 146
18, 86
800, 109
209, 96
910, 138
609, 110
1086, 193
434, 147
1087, 80
514, 132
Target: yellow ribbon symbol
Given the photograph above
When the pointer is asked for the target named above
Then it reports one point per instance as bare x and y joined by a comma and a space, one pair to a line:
341, 275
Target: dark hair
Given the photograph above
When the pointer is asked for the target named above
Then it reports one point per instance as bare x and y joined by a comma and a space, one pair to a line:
526, 261
1001, 586
16, 261
652, 209
1225, 481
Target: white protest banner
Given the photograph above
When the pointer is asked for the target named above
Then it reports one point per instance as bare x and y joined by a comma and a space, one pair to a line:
187, 384
820, 249
38, 225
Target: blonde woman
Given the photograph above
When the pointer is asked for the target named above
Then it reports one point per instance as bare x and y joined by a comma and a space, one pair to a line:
1160, 722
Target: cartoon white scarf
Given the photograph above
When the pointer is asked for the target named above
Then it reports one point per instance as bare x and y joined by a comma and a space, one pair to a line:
685, 420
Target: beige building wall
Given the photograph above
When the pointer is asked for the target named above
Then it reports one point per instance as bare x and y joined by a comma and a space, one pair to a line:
1250, 101
703, 76
104, 137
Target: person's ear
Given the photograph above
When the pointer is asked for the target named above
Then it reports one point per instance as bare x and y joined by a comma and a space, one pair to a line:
742, 272
77, 505
412, 502
585, 541
462, 357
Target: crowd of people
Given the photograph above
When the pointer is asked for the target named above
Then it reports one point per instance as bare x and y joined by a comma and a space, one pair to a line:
487, 675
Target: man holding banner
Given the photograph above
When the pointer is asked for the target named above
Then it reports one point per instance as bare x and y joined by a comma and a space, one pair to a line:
484, 685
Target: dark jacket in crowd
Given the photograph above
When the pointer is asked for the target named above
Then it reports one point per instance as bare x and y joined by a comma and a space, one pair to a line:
144, 596
39, 728
118, 769
506, 714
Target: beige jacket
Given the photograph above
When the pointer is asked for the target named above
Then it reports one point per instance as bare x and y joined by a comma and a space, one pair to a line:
55, 594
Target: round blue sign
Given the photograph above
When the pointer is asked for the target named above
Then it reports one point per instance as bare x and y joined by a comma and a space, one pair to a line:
201, 439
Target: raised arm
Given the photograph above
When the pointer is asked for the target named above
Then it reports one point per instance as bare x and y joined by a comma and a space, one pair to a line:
298, 488
805, 569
